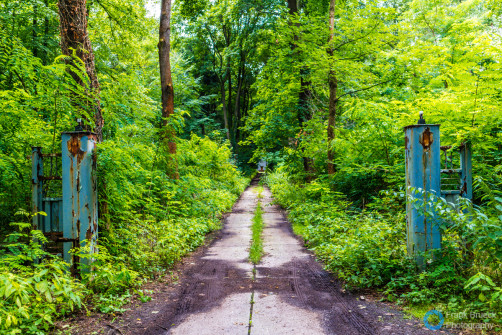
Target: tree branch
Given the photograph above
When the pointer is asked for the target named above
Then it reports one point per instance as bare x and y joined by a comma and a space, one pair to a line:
107, 11
359, 38
431, 29
365, 89
21, 80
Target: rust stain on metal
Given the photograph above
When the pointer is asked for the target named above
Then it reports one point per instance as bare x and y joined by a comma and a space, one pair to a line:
406, 140
426, 138
74, 147
88, 234
463, 189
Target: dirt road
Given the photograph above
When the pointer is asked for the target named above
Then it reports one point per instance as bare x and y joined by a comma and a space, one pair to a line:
221, 292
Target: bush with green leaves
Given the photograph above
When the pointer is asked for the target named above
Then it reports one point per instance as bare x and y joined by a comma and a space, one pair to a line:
35, 287
162, 217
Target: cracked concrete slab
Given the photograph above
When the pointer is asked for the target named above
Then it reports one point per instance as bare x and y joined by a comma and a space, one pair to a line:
230, 317
233, 246
272, 316
279, 246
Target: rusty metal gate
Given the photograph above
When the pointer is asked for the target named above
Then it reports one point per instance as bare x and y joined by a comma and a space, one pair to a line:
72, 210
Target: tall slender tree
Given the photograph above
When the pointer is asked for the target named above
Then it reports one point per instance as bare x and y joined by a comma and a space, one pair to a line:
166, 82
74, 38
304, 94
333, 86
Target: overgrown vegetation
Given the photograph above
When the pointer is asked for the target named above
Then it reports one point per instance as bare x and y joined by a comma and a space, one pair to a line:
34, 293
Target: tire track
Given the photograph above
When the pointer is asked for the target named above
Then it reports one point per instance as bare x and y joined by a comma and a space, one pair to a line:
288, 293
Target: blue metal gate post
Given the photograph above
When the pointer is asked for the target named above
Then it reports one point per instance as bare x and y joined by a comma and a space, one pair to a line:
80, 201
37, 171
466, 171
423, 170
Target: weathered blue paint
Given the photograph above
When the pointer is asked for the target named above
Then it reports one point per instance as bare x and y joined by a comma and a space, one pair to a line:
466, 171
37, 171
262, 165
80, 203
53, 222
423, 170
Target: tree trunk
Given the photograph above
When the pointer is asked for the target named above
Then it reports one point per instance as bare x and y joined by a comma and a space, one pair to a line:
245, 100
304, 96
293, 7
229, 78
73, 28
237, 107
305, 115
224, 107
35, 30
46, 36
166, 82
333, 85
227, 33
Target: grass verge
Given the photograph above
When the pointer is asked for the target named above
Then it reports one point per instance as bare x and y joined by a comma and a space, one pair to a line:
256, 250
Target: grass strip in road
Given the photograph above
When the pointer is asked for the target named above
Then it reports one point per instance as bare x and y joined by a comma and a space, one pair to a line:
256, 250
259, 191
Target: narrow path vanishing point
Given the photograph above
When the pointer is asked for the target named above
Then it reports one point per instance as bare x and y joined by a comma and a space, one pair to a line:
287, 293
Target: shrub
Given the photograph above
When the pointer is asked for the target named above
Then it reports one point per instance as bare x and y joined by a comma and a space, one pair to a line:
35, 287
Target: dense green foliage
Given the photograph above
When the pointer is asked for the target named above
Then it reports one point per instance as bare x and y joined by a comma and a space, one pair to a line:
152, 221
34, 293
394, 60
